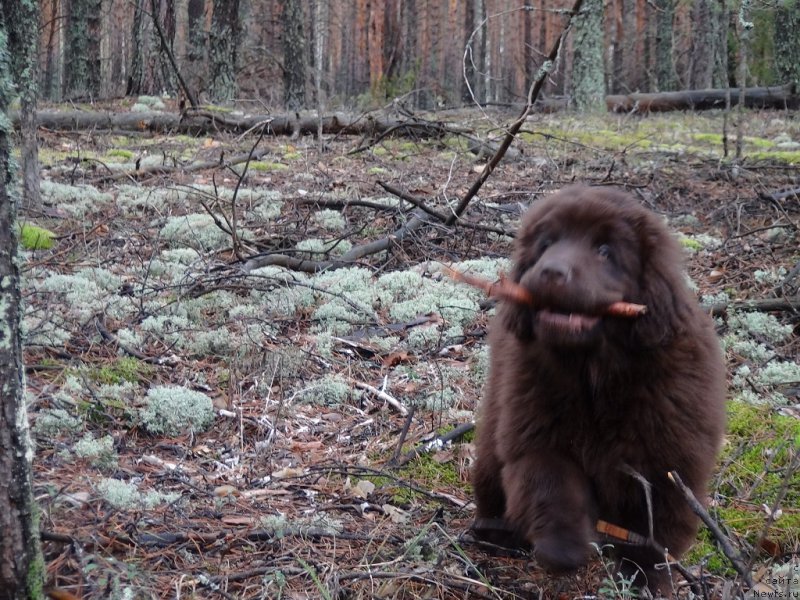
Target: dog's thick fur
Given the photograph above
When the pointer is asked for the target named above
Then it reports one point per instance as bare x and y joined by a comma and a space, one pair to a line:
577, 402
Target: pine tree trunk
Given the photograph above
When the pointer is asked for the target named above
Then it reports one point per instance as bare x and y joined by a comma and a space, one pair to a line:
23, 40
82, 64
665, 68
294, 58
21, 564
151, 72
223, 50
787, 42
588, 82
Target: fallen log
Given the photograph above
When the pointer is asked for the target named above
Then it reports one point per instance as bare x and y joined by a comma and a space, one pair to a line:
774, 97
202, 122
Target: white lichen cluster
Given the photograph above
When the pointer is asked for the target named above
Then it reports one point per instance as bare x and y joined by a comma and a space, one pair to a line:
198, 231
175, 410
770, 277
85, 293
752, 340
54, 421
329, 219
134, 199
280, 526
318, 249
99, 451
330, 390
125, 495
75, 200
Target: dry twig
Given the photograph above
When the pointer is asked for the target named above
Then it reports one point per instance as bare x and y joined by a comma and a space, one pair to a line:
505, 289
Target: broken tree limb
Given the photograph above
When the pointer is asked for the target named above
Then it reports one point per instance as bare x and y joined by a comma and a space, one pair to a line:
775, 97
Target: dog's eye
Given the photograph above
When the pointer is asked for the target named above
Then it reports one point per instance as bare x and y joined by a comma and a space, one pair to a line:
604, 251
544, 243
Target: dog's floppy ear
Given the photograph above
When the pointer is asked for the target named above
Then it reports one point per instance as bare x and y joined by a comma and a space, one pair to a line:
661, 286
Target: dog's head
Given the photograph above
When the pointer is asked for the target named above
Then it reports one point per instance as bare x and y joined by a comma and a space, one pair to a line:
582, 249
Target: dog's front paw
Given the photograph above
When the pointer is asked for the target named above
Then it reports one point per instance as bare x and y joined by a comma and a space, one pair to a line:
561, 554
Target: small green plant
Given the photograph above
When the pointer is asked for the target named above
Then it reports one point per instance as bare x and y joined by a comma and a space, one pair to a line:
616, 585
36, 238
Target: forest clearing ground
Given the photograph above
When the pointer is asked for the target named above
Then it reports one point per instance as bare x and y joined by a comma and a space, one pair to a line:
290, 493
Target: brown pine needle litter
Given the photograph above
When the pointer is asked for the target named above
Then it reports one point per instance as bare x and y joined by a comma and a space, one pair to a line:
505, 289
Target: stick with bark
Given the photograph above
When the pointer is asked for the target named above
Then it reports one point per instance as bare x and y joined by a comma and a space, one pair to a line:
505, 289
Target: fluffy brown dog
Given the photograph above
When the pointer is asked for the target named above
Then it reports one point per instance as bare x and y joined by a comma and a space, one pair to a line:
578, 402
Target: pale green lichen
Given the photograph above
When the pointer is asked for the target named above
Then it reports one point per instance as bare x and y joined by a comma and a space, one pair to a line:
174, 410
100, 452
315, 248
329, 390
197, 230
280, 526
53, 421
124, 495
76, 200
329, 219
760, 324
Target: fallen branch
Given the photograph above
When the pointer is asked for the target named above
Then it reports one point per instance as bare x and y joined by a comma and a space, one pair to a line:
436, 443
505, 289
724, 543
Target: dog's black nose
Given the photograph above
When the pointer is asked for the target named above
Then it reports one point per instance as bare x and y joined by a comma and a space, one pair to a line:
554, 272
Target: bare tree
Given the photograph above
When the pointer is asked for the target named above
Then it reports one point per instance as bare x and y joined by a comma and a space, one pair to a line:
223, 49
787, 41
151, 72
664, 67
23, 35
82, 56
21, 563
294, 55
588, 84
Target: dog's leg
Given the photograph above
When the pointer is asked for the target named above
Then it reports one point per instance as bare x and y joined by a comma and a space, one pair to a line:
549, 501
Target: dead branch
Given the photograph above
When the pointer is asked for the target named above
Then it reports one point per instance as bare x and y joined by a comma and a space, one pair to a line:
790, 304
437, 443
505, 289
724, 543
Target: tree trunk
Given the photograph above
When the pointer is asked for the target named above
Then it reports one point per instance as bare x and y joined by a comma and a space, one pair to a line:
665, 68
151, 72
703, 42
588, 85
82, 63
294, 56
787, 41
224, 50
23, 37
21, 563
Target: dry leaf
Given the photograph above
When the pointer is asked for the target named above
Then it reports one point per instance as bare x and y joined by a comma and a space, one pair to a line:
397, 515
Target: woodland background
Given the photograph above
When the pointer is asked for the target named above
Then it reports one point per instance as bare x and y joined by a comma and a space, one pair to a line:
247, 373
342, 52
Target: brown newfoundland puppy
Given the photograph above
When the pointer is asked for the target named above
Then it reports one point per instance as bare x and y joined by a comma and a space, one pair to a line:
579, 405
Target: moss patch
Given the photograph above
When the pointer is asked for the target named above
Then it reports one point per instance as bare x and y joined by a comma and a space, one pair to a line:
36, 238
125, 369
755, 460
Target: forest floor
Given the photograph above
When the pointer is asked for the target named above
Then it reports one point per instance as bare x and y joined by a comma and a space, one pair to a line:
208, 430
